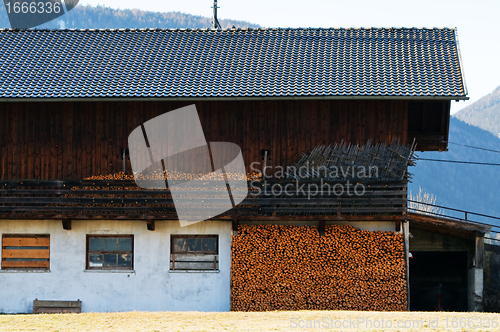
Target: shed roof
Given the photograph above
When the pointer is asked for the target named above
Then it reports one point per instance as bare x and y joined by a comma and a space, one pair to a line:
417, 63
437, 222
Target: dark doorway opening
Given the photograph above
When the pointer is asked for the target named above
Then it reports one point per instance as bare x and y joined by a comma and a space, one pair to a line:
434, 273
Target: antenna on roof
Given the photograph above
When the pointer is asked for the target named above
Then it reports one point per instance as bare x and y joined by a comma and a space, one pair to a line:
215, 22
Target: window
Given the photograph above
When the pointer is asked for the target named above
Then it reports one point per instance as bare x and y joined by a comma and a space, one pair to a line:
194, 252
25, 252
110, 252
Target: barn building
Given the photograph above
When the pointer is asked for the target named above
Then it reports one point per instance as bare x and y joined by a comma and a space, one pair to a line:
72, 229
448, 261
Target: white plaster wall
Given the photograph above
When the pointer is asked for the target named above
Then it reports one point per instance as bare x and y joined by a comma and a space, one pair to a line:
150, 287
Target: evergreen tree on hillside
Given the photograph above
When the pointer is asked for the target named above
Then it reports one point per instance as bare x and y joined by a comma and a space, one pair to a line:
100, 17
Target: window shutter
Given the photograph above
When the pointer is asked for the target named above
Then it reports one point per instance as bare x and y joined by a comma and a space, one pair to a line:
25, 252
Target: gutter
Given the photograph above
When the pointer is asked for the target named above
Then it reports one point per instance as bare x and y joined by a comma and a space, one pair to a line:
77, 99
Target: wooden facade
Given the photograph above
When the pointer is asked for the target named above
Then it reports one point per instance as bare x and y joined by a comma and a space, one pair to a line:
76, 140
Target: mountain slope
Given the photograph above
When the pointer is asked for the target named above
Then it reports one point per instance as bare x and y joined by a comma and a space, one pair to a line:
462, 186
485, 113
88, 17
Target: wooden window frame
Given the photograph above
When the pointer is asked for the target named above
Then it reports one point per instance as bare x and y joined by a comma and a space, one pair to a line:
116, 268
26, 268
191, 236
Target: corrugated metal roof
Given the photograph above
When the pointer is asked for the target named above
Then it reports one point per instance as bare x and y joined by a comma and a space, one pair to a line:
233, 63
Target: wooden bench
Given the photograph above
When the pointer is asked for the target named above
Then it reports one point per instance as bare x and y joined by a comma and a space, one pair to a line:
56, 307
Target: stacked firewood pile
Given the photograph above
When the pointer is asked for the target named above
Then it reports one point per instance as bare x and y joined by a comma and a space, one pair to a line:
294, 268
174, 175
128, 191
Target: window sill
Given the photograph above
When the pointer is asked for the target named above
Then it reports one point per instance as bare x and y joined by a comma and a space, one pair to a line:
24, 271
109, 271
194, 271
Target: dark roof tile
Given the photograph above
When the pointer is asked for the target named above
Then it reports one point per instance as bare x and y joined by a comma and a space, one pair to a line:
396, 62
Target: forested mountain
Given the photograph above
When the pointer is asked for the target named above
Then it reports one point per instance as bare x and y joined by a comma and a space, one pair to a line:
485, 113
87, 17
462, 186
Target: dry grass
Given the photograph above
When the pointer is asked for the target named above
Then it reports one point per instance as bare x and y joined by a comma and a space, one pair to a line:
426, 198
237, 321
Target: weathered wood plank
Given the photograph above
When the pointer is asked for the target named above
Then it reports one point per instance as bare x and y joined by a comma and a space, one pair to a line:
323, 124
194, 257
273, 135
57, 304
26, 253
44, 310
25, 241
68, 163
264, 132
52, 148
253, 147
23, 140
57, 307
60, 138
4, 132
192, 266
13, 156
25, 264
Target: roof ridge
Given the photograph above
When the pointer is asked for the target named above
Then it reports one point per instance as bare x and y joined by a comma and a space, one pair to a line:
227, 29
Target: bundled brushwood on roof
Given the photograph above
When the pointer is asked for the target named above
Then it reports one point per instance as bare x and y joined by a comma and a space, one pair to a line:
342, 161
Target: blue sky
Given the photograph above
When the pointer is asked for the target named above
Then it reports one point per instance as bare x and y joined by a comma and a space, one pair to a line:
479, 36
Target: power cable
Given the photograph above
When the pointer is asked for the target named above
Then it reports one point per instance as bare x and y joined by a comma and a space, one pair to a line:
475, 147
460, 162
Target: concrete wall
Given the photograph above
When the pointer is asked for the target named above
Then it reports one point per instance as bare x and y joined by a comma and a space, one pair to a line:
149, 287
475, 289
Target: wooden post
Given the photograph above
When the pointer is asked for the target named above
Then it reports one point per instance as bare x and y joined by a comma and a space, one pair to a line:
479, 254
398, 225
151, 225
235, 226
66, 224
406, 242
321, 227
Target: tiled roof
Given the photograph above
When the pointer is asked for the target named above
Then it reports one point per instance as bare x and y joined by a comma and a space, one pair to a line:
152, 63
